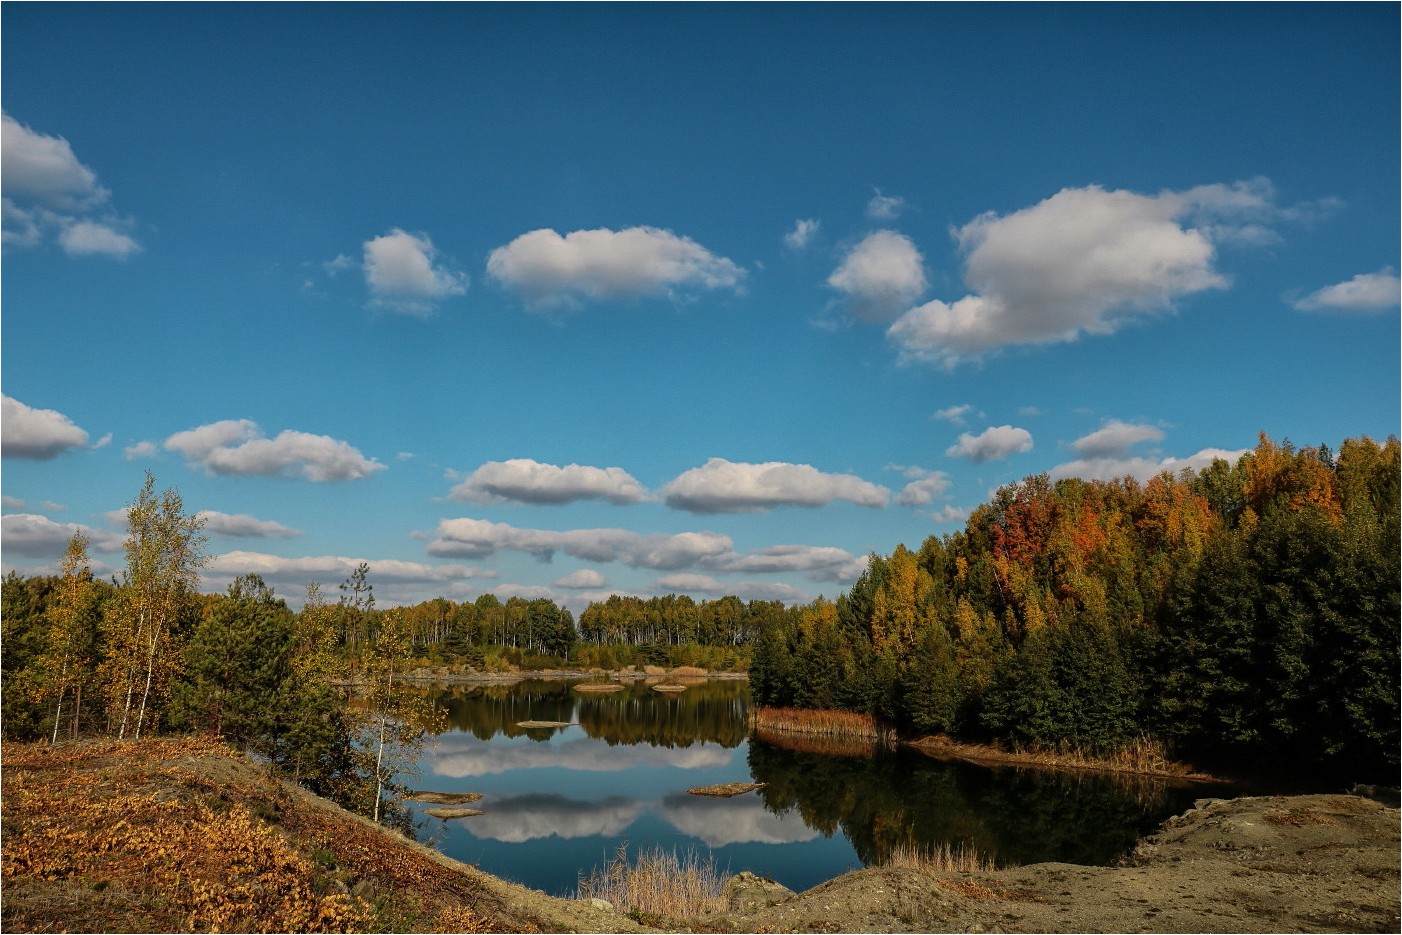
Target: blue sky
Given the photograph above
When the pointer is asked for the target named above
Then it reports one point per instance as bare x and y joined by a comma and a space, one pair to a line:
574, 300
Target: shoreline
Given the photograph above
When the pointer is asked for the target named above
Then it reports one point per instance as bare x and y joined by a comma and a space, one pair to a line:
622, 676
943, 748
1248, 864
789, 721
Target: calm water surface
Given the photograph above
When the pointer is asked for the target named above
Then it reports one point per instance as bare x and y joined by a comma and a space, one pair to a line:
559, 801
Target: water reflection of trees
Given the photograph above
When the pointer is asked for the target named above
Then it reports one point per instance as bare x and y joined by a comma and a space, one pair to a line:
712, 712
1018, 816
488, 710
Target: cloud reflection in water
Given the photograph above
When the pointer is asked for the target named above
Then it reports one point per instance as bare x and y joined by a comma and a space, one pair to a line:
740, 820
476, 759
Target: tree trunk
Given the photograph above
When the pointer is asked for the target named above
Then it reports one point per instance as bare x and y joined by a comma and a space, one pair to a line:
146, 692
58, 714
380, 755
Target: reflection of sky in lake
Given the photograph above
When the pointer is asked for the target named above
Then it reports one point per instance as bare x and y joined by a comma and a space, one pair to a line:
460, 755
531, 817
558, 803
740, 820
554, 809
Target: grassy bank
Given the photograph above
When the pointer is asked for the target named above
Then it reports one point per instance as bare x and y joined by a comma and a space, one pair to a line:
850, 733
1144, 757
842, 725
104, 836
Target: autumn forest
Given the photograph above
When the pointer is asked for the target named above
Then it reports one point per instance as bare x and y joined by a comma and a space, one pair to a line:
1244, 616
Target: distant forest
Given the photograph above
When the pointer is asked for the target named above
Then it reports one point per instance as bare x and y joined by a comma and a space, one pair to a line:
1246, 614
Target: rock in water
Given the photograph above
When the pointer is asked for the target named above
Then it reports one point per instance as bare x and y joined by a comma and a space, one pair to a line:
450, 813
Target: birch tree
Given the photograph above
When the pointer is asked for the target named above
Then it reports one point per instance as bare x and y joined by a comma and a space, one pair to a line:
67, 660
165, 549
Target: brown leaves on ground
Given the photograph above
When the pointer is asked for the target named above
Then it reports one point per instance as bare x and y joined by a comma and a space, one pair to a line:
1297, 818
186, 835
974, 889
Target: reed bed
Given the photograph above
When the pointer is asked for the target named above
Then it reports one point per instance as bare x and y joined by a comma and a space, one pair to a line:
845, 724
941, 858
826, 746
1144, 755
658, 884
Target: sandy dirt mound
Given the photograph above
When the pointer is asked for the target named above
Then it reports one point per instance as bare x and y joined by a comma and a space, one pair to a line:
1303, 863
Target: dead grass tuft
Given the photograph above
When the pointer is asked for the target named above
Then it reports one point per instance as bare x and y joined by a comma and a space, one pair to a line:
941, 858
837, 724
658, 884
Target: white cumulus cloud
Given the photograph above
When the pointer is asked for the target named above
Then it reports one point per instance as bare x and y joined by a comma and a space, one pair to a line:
954, 415
1084, 261
237, 446
144, 449
697, 552
300, 571
721, 486
479, 538
924, 490
1115, 438
403, 273
49, 192
548, 270
1364, 293
583, 578
40, 537
992, 444
36, 434
83, 238
44, 170
244, 526
1141, 469
815, 562
885, 207
803, 232
881, 275
526, 481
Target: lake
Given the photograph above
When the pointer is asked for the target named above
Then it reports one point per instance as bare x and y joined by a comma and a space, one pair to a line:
560, 801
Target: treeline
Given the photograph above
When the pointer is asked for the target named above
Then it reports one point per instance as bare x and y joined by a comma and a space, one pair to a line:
1244, 614
313, 693
671, 630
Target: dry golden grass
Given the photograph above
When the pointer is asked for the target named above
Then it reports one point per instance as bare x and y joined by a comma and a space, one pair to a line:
598, 687
818, 743
1144, 757
941, 858
687, 671
844, 724
658, 885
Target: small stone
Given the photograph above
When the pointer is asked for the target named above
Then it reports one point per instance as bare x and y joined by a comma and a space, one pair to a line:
603, 905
